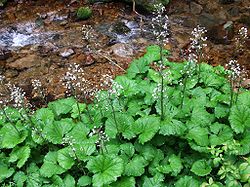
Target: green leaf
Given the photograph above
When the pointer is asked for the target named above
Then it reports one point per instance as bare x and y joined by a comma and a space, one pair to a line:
212, 80
155, 181
146, 127
137, 67
130, 87
55, 133
199, 135
124, 182
201, 168
45, 115
244, 99
187, 181
221, 111
34, 178
5, 172
50, 166
239, 118
64, 158
154, 75
21, 154
135, 167
57, 181
220, 134
200, 115
174, 167
106, 169
62, 106
84, 181
10, 137
20, 178
69, 181
124, 124
153, 53
127, 149
172, 127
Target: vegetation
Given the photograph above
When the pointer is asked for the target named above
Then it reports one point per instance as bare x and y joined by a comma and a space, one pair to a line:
83, 13
122, 139
2, 2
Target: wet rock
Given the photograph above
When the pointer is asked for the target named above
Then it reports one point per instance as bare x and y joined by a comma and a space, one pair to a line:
245, 19
246, 83
122, 50
4, 54
66, 53
11, 73
25, 62
120, 28
234, 11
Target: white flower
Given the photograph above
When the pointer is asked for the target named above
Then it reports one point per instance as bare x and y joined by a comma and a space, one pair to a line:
17, 95
160, 24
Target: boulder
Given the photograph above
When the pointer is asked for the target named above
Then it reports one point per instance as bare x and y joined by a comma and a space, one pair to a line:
25, 62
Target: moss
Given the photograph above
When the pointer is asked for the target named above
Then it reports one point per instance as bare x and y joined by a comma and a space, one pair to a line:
83, 13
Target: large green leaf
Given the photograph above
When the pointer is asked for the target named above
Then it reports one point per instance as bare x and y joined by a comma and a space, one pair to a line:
5, 172
20, 154
137, 67
136, 166
122, 125
174, 166
124, 182
62, 106
128, 149
201, 168
155, 181
50, 165
199, 135
172, 127
84, 181
187, 181
244, 99
106, 169
20, 178
45, 115
146, 127
55, 133
239, 118
10, 137
130, 87
69, 181
64, 158
220, 134
34, 178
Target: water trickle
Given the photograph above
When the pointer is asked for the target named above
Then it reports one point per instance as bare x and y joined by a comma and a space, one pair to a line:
23, 34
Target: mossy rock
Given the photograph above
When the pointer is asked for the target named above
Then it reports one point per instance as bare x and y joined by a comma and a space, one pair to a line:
83, 13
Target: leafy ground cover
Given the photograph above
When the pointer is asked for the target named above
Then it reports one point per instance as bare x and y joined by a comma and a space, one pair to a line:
180, 125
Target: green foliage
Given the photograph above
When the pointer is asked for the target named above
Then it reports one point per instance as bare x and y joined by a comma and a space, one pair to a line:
83, 13
202, 142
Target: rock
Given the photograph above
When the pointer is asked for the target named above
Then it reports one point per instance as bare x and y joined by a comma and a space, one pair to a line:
25, 62
226, 1
67, 52
246, 83
122, 50
207, 20
195, 8
5, 54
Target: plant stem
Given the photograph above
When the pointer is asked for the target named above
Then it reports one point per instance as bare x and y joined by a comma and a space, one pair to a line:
10, 121
87, 109
113, 112
232, 94
162, 86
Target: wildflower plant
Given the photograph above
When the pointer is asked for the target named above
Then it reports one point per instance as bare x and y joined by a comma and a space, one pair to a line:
39, 90
205, 143
160, 25
240, 40
236, 75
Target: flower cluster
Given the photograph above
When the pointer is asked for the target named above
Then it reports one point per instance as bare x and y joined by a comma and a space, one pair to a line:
160, 24
157, 92
241, 38
198, 42
17, 96
102, 137
76, 84
38, 89
87, 31
115, 89
235, 71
